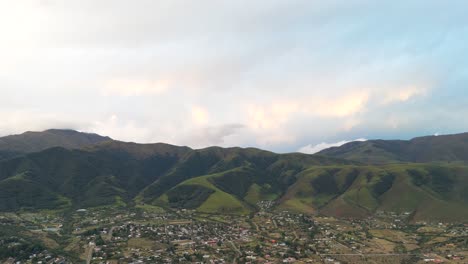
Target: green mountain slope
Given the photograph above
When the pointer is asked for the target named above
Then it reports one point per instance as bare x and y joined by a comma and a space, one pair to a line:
202, 194
117, 172
446, 148
426, 190
15, 145
86, 178
234, 180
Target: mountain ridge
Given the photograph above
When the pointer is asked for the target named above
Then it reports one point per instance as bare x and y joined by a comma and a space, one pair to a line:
27, 142
441, 148
234, 180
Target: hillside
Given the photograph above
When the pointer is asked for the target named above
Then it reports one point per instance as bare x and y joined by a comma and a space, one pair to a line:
426, 191
234, 180
14, 145
78, 177
119, 173
446, 148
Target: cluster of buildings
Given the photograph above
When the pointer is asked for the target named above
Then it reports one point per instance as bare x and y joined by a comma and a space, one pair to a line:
112, 236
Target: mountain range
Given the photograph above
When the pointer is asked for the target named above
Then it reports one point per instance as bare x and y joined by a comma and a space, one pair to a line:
447, 148
426, 177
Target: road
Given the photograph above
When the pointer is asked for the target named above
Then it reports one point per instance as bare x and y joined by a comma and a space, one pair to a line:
109, 235
89, 256
274, 223
295, 236
256, 226
235, 248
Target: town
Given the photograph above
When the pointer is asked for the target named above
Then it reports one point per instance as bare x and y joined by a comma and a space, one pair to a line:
148, 234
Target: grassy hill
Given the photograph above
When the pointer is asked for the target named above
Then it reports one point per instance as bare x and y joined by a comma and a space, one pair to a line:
426, 190
200, 193
446, 148
117, 172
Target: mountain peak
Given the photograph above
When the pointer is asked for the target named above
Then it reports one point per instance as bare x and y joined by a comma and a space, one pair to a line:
33, 141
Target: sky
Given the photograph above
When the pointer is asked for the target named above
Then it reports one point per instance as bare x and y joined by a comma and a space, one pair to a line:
286, 76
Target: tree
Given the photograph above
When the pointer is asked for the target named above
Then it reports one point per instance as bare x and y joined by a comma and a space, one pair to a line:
99, 241
258, 249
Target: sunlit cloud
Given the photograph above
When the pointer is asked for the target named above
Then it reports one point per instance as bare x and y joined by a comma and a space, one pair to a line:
273, 74
271, 116
403, 94
200, 115
341, 106
126, 130
128, 87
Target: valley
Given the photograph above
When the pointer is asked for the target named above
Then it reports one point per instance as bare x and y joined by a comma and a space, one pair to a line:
153, 235
120, 202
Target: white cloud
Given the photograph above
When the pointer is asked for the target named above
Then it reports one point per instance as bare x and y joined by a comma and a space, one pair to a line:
287, 72
271, 116
403, 94
125, 130
342, 106
351, 123
311, 149
271, 122
19, 121
200, 116
128, 87
211, 136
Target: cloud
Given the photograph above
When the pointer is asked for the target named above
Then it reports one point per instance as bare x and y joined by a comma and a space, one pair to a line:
200, 116
125, 130
342, 106
351, 123
127, 87
403, 94
311, 149
288, 73
271, 115
19, 121
197, 134
211, 135
271, 122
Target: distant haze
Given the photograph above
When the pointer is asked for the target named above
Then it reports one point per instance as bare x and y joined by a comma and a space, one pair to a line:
295, 75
